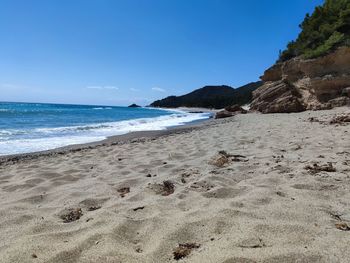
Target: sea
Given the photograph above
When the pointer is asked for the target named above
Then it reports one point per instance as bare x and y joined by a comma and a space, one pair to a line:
33, 127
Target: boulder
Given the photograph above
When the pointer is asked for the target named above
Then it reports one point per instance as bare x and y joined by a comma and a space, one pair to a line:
346, 92
339, 102
277, 97
224, 114
235, 108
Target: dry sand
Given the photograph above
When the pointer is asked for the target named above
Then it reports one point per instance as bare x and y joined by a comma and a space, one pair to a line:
266, 202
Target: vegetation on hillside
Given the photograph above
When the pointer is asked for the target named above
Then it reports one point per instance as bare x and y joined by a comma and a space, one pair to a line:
216, 97
326, 29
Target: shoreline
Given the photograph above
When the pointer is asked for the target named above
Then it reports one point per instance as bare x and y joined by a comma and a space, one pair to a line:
109, 141
114, 139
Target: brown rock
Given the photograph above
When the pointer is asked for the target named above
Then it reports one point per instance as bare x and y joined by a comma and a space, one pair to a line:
346, 92
342, 119
299, 84
235, 108
224, 114
279, 96
338, 102
230, 111
273, 73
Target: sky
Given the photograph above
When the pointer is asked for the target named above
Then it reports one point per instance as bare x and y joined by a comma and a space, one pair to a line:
118, 52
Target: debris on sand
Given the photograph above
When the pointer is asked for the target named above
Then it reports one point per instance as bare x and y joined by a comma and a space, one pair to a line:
228, 155
34, 255
201, 186
313, 119
341, 119
281, 194
165, 189
73, 214
220, 161
138, 208
342, 226
253, 244
335, 215
123, 191
188, 173
315, 168
223, 158
94, 207
183, 250
168, 188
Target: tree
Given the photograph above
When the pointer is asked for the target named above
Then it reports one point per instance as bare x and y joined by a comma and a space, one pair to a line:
327, 28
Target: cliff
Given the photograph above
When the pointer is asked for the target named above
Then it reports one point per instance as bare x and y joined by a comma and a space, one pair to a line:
210, 97
305, 84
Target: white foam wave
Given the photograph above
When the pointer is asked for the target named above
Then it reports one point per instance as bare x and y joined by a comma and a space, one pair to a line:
102, 108
50, 138
42, 144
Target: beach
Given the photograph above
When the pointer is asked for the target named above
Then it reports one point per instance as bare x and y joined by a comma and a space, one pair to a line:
250, 188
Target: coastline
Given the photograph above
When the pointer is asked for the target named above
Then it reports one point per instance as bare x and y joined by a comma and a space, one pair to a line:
111, 139
250, 188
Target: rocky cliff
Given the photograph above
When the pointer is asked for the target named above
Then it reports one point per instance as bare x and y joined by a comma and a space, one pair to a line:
299, 84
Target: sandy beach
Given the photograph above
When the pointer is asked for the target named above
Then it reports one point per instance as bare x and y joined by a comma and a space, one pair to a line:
251, 188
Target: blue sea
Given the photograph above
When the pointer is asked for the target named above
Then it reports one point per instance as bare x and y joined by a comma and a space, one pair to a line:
32, 127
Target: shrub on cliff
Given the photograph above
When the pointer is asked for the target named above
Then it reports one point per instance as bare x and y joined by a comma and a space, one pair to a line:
326, 29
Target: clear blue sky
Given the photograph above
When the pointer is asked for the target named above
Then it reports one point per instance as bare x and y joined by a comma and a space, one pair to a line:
116, 52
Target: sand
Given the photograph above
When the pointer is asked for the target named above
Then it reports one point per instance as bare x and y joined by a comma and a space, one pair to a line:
261, 199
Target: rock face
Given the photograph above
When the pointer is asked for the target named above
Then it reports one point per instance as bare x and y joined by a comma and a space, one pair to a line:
297, 85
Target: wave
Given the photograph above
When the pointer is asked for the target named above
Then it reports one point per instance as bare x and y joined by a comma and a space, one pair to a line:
40, 139
42, 144
141, 124
102, 108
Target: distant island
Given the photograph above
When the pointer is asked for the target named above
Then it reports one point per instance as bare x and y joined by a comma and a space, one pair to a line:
134, 106
215, 97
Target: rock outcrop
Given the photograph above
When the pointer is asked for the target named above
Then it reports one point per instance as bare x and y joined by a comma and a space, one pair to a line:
297, 84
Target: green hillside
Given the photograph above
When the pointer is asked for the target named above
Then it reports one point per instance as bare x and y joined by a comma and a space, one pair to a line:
326, 29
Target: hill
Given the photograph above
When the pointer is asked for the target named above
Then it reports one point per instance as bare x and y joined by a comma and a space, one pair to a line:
216, 97
326, 29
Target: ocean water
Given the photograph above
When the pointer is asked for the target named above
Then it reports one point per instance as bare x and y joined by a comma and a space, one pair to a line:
32, 127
